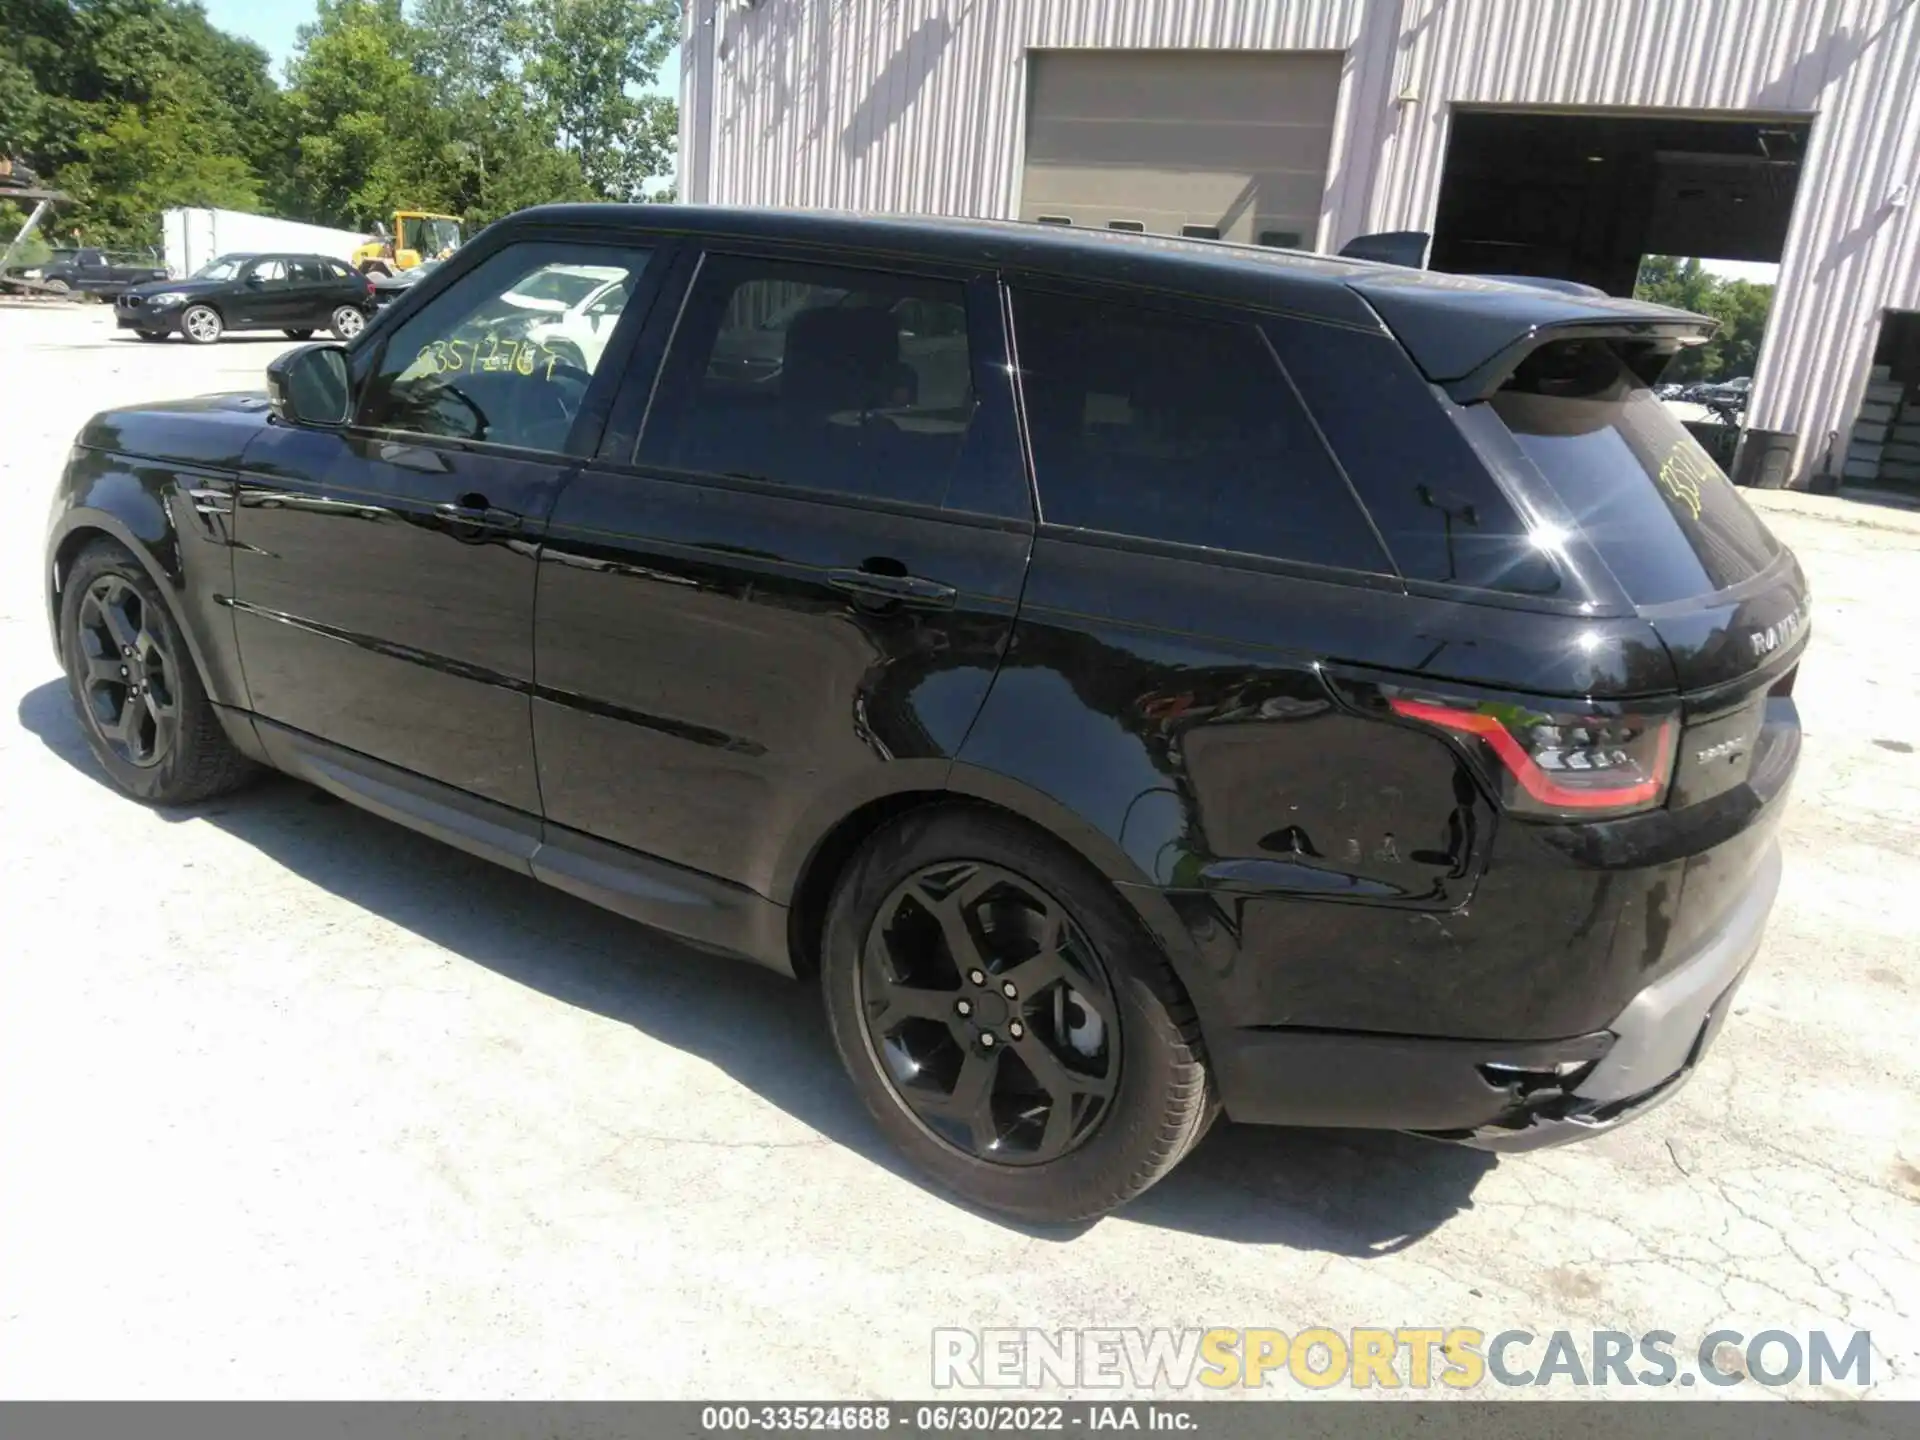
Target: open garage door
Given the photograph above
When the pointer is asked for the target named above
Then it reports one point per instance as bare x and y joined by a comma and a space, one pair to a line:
1218, 145
1585, 196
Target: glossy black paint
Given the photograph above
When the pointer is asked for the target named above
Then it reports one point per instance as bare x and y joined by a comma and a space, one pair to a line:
674, 695
244, 302
370, 614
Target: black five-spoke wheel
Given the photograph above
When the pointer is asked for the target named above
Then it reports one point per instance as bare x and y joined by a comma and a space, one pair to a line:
130, 678
1011, 1024
990, 1013
139, 698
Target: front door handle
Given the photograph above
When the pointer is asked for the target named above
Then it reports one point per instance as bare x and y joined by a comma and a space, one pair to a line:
474, 511
904, 589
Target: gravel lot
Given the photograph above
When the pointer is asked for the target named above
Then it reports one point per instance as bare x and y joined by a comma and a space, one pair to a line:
299, 1104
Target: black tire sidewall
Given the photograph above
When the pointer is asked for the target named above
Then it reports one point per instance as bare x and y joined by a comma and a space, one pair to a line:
159, 784
1118, 1160
300, 334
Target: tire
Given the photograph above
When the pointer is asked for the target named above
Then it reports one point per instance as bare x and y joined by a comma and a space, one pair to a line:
168, 750
151, 334
346, 322
298, 334
201, 325
1159, 1099
58, 286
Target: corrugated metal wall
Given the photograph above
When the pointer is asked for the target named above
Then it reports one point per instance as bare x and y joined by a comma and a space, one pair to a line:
918, 105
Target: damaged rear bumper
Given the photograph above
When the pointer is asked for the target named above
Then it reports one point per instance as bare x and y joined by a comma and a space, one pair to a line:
1505, 1097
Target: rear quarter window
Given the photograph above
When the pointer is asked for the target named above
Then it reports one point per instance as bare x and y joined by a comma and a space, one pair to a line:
1648, 498
1444, 517
1168, 426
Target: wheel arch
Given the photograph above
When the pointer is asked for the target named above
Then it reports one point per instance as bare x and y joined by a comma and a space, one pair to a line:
815, 875
159, 557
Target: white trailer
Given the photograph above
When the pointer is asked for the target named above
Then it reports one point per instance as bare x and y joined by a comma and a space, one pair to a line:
195, 236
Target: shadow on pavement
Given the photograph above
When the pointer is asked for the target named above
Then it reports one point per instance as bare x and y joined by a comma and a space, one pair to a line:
1347, 1192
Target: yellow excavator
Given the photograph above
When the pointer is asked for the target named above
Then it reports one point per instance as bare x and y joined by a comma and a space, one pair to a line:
416, 235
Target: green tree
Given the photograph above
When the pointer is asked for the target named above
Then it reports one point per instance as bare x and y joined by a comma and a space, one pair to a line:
1740, 307
367, 128
586, 63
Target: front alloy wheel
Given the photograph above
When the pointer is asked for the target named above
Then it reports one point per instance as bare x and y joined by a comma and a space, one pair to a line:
201, 324
348, 322
129, 684
990, 1013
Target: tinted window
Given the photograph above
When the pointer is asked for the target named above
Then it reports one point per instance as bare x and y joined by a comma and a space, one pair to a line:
338, 271
306, 272
1163, 426
1444, 517
476, 364
855, 381
1646, 495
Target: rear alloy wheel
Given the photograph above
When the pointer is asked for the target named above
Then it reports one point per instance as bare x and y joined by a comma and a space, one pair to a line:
1006, 1020
145, 713
298, 334
347, 322
201, 324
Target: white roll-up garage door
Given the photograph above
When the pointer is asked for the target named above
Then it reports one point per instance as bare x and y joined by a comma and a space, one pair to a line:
1181, 141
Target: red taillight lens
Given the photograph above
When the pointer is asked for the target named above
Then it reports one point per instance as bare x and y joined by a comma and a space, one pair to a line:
1562, 764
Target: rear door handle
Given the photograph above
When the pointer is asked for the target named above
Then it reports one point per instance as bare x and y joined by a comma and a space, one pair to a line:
483, 515
905, 589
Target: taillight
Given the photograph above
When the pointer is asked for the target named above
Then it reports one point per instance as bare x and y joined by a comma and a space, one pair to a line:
1561, 764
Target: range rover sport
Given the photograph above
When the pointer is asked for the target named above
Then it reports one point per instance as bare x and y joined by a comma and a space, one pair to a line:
1136, 678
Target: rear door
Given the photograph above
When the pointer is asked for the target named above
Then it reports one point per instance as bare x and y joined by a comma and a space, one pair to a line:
310, 292
792, 594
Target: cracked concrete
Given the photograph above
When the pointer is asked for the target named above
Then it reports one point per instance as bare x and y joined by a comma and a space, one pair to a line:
298, 1103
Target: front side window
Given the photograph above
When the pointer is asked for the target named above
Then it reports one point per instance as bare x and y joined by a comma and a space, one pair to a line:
477, 365
1170, 427
852, 381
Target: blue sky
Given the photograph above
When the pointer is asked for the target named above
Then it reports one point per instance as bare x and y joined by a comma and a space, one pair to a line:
274, 25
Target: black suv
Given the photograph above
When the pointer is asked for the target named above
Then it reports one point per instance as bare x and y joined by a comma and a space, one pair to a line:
1137, 677
295, 294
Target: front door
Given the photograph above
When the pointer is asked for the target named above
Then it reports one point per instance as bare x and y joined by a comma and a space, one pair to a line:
793, 597
384, 571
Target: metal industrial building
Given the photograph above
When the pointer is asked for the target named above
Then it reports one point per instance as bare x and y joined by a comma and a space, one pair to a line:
1543, 137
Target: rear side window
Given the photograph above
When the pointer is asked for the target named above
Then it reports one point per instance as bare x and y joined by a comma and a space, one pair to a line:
1646, 495
849, 381
1444, 517
1173, 427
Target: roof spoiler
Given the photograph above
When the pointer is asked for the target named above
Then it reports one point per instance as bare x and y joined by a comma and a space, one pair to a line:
1407, 248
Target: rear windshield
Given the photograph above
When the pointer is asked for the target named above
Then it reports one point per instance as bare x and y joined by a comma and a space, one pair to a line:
1664, 518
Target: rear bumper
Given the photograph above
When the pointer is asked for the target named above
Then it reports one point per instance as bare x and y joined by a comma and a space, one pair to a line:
1504, 1096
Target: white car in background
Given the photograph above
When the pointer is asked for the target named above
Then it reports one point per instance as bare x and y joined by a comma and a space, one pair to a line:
579, 329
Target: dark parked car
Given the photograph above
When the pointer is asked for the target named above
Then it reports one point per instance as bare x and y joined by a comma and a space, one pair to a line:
1137, 678
296, 294
93, 272
389, 286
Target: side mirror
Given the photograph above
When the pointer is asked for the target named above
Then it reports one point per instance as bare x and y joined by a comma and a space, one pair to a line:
309, 386
256, 278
